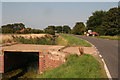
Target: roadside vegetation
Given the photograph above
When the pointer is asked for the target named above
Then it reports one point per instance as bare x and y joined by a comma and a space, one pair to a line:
109, 37
68, 40
85, 66
6, 38
46, 40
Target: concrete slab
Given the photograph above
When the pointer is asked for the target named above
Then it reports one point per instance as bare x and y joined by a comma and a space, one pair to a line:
31, 48
75, 50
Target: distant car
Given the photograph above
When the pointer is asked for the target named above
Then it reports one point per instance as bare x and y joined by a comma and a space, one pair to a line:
95, 34
91, 34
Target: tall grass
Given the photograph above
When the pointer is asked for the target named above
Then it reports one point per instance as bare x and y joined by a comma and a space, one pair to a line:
46, 40
6, 39
71, 41
85, 66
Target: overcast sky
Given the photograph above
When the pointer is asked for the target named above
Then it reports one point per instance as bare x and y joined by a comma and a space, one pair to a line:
41, 14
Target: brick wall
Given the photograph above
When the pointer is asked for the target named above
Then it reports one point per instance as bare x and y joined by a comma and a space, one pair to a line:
1, 63
47, 61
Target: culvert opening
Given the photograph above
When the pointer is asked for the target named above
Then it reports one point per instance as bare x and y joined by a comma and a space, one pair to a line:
27, 61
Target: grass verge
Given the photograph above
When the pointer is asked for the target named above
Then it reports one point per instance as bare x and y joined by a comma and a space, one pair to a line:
85, 66
68, 40
109, 37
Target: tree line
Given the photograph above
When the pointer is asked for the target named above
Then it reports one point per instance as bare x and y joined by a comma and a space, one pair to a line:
105, 22
102, 22
20, 28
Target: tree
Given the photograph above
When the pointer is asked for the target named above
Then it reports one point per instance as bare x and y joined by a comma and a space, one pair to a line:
96, 20
50, 30
18, 26
66, 29
79, 28
111, 22
7, 30
58, 29
12, 28
105, 22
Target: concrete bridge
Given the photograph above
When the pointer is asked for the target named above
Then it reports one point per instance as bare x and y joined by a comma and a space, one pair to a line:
14, 56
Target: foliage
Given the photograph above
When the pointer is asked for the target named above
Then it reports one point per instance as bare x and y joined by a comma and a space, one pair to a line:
66, 29
8, 30
111, 22
19, 28
46, 40
58, 29
105, 22
36, 31
79, 28
110, 37
85, 66
71, 41
96, 20
11, 28
50, 30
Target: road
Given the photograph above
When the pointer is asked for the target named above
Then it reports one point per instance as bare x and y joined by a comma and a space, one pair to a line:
109, 51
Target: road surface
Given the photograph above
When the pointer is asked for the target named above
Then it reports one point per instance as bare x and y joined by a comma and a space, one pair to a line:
109, 51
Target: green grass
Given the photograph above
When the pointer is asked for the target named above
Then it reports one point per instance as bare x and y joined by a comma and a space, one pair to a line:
85, 66
109, 37
68, 40
47, 40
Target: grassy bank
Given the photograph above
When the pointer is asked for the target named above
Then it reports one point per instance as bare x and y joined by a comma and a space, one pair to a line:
85, 66
11, 38
68, 40
46, 40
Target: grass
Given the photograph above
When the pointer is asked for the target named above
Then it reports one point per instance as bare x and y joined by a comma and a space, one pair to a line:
106, 37
109, 37
8, 38
85, 66
68, 40
46, 40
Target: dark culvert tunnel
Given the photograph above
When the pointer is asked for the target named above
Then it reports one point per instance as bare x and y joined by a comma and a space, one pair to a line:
28, 61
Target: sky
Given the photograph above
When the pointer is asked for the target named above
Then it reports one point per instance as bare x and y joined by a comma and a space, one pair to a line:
39, 15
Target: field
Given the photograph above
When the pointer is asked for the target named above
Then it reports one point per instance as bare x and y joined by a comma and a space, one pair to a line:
68, 40
85, 66
22, 38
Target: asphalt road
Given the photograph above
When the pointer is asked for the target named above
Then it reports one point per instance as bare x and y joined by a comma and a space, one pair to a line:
109, 51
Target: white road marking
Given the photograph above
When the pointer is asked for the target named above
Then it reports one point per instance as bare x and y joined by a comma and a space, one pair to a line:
105, 66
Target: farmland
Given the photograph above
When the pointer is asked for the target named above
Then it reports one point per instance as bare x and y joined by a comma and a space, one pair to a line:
24, 38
